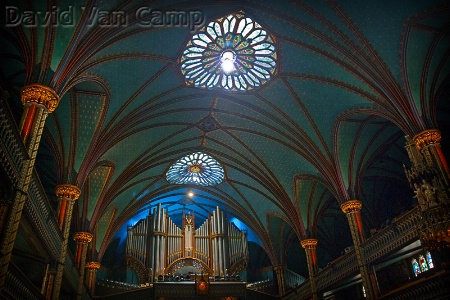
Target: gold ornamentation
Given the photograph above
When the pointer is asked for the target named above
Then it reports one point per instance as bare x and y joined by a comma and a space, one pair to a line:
40, 94
194, 168
309, 243
67, 191
351, 206
93, 265
426, 138
82, 237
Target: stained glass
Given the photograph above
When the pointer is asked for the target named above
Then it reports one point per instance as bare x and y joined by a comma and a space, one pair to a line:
206, 62
423, 264
416, 267
196, 168
429, 260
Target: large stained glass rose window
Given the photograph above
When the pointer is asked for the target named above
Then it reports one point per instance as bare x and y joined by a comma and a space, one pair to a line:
233, 53
196, 168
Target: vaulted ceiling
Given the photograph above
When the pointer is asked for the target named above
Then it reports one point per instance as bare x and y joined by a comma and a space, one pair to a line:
353, 78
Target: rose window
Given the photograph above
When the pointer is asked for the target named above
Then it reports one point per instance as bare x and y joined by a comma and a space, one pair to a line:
233, 53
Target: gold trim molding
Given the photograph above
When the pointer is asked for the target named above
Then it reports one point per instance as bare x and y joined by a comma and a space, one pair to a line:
426, 138
309, 243
39, 94
82, 237
93, 265
67, 191
351, 206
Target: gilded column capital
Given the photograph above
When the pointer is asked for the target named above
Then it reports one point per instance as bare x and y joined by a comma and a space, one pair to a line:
93, 265
67, 191
426, 138
40, 94
351, 206
82, 237
309, 243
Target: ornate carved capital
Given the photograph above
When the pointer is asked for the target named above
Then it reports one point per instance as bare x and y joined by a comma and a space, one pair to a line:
93, 265
426, 138
40, 94
67, 191
351, 206
309, 243
82, 237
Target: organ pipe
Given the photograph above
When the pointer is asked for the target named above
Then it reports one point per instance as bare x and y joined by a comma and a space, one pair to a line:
159, 244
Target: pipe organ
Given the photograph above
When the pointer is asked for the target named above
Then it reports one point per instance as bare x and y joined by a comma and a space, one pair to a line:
157, 246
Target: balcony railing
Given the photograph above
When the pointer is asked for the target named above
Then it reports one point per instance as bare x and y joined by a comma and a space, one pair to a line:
401, 232
397, 235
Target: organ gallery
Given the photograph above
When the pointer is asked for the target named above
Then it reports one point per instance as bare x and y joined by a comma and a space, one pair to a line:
157, 247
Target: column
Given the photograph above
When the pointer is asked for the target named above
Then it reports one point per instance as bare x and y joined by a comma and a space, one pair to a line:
67, 194
92, 268
430, 181
82, 239
428, 143
352, 209
38, 101
279, 271
310, 246
49, 281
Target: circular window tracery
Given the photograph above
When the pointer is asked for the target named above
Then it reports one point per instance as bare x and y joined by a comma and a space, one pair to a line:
196, 168
233, 53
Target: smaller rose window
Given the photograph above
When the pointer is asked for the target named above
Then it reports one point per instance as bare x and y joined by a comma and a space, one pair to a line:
196, 168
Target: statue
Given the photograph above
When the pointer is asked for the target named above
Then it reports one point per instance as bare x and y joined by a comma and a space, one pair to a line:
429, 192
440, 190
420, 197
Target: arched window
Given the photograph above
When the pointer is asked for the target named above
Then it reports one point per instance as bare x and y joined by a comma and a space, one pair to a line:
423, 264
429, 259
416, 267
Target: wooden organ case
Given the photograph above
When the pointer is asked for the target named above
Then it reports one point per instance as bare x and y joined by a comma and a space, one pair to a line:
156, 246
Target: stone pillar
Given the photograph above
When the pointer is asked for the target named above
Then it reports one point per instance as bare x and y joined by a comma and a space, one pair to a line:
92, 268
280, 271
38, 101
82, 239
310, 246
67, 194
49, 281
352, 209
